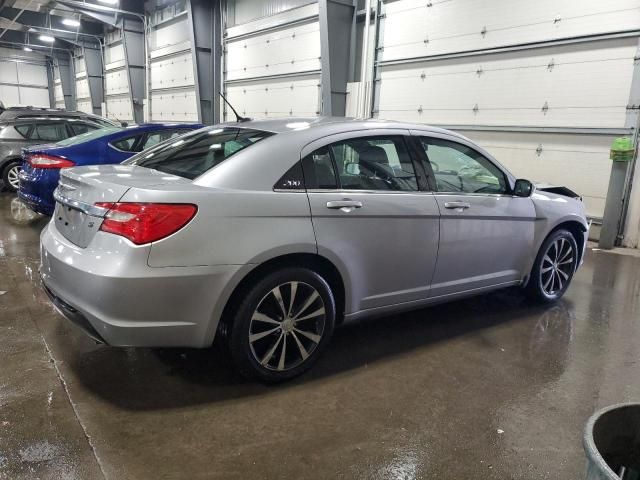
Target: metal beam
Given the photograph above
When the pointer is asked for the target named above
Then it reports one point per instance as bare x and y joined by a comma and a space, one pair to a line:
205, 22
513, 48
64, 64
95, 77
535, 129
133, 41
53, 22
336, 26
51, 83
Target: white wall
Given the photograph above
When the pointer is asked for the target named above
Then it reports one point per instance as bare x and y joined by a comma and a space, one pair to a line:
272, 65
574, 85
23, 78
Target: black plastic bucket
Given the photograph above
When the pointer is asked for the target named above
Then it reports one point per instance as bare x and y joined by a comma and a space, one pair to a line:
612, 443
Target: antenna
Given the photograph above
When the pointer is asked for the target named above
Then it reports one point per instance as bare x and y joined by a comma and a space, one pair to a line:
238, 117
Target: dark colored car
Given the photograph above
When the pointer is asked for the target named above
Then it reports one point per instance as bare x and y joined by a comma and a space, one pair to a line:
13, 113
41, 167
20, 132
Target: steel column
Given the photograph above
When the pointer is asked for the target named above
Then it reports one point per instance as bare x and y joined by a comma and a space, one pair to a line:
64, 64
336, 24
95, 77
133, 39
205, 21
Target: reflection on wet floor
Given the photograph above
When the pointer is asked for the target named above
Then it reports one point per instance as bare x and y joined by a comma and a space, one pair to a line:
490, 387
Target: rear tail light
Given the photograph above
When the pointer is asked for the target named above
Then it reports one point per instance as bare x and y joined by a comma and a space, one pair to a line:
146, 222
42, 160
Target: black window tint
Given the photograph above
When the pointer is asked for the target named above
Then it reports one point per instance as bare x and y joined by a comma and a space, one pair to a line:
126, 144
292, 180
51, 132
319, 171
458, 168
80, 128
18, 132
192, 155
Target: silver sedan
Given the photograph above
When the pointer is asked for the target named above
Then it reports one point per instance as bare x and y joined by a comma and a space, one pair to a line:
269, 233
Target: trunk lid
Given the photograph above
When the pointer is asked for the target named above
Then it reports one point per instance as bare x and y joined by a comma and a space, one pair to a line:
76, 216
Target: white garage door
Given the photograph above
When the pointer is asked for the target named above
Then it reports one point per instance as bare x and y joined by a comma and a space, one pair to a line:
272, 65
567, 86
23, 79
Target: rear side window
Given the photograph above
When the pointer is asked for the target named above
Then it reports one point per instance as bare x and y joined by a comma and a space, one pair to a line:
19, 132
80, 128
50, 132
126, 144
365, 163
154, 138
193, 154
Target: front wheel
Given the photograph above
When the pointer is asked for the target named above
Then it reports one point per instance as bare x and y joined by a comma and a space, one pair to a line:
10, 175
283, 325
554, 267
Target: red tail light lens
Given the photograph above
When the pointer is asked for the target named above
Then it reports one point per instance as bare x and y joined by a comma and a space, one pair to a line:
42, 160
146, 222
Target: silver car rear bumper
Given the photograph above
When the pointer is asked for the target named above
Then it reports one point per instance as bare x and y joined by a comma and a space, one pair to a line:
114, 296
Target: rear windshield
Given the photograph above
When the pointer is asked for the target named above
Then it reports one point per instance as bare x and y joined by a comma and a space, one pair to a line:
197, 152
85, 137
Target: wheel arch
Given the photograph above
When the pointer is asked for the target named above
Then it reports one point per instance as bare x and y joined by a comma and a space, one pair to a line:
312, 261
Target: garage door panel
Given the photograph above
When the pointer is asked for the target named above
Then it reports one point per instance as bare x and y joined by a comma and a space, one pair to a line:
84, 106
82, 88
287, 50
177, 106
8, 72
580, 162
276, 98
30, 74
9, 95
119, 108
175, 71
578, 85
412, 29
34, 96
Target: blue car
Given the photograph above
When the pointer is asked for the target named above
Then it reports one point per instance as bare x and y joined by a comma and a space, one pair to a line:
41, 164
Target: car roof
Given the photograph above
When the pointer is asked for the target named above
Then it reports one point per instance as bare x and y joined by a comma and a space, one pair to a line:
332, 125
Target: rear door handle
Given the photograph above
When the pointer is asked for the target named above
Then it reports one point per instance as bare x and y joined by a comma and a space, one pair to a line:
347, 205
457, 205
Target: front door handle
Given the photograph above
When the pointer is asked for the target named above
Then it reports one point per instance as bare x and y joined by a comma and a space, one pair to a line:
457, 205
344, 205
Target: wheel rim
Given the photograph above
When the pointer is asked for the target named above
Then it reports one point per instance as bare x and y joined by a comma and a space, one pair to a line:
287, 326
557, 265
12, 176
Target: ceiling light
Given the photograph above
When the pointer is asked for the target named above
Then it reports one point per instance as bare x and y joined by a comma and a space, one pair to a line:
47, 38
27, 49
71, 22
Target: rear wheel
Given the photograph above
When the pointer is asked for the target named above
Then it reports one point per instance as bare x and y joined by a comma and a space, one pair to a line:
10, 175
554, 267
283, 325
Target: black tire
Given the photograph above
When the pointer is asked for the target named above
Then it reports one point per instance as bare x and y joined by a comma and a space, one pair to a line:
272, 324
5, 174
553, 270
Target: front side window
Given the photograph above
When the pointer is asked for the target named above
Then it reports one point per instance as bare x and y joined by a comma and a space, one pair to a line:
50, 132
365, 163
193, 154
460, 169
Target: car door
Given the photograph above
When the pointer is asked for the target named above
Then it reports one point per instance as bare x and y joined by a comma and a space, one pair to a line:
372, 215
486, 233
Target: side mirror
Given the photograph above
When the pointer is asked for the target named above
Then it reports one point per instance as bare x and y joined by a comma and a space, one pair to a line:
523, 188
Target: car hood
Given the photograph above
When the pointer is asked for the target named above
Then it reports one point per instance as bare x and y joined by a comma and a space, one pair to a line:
557, 189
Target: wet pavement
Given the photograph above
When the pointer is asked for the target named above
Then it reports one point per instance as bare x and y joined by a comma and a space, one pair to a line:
492, 387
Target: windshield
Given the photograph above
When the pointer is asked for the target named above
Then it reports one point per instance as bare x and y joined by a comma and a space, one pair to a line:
193, 154
85, 137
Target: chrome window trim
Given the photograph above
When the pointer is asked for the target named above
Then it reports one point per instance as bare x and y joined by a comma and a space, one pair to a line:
84, 207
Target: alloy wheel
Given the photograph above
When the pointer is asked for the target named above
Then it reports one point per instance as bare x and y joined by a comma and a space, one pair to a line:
557, 266
12, 177
287, 326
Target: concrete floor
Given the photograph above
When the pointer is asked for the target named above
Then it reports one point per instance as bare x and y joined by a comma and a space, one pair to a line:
491, 388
